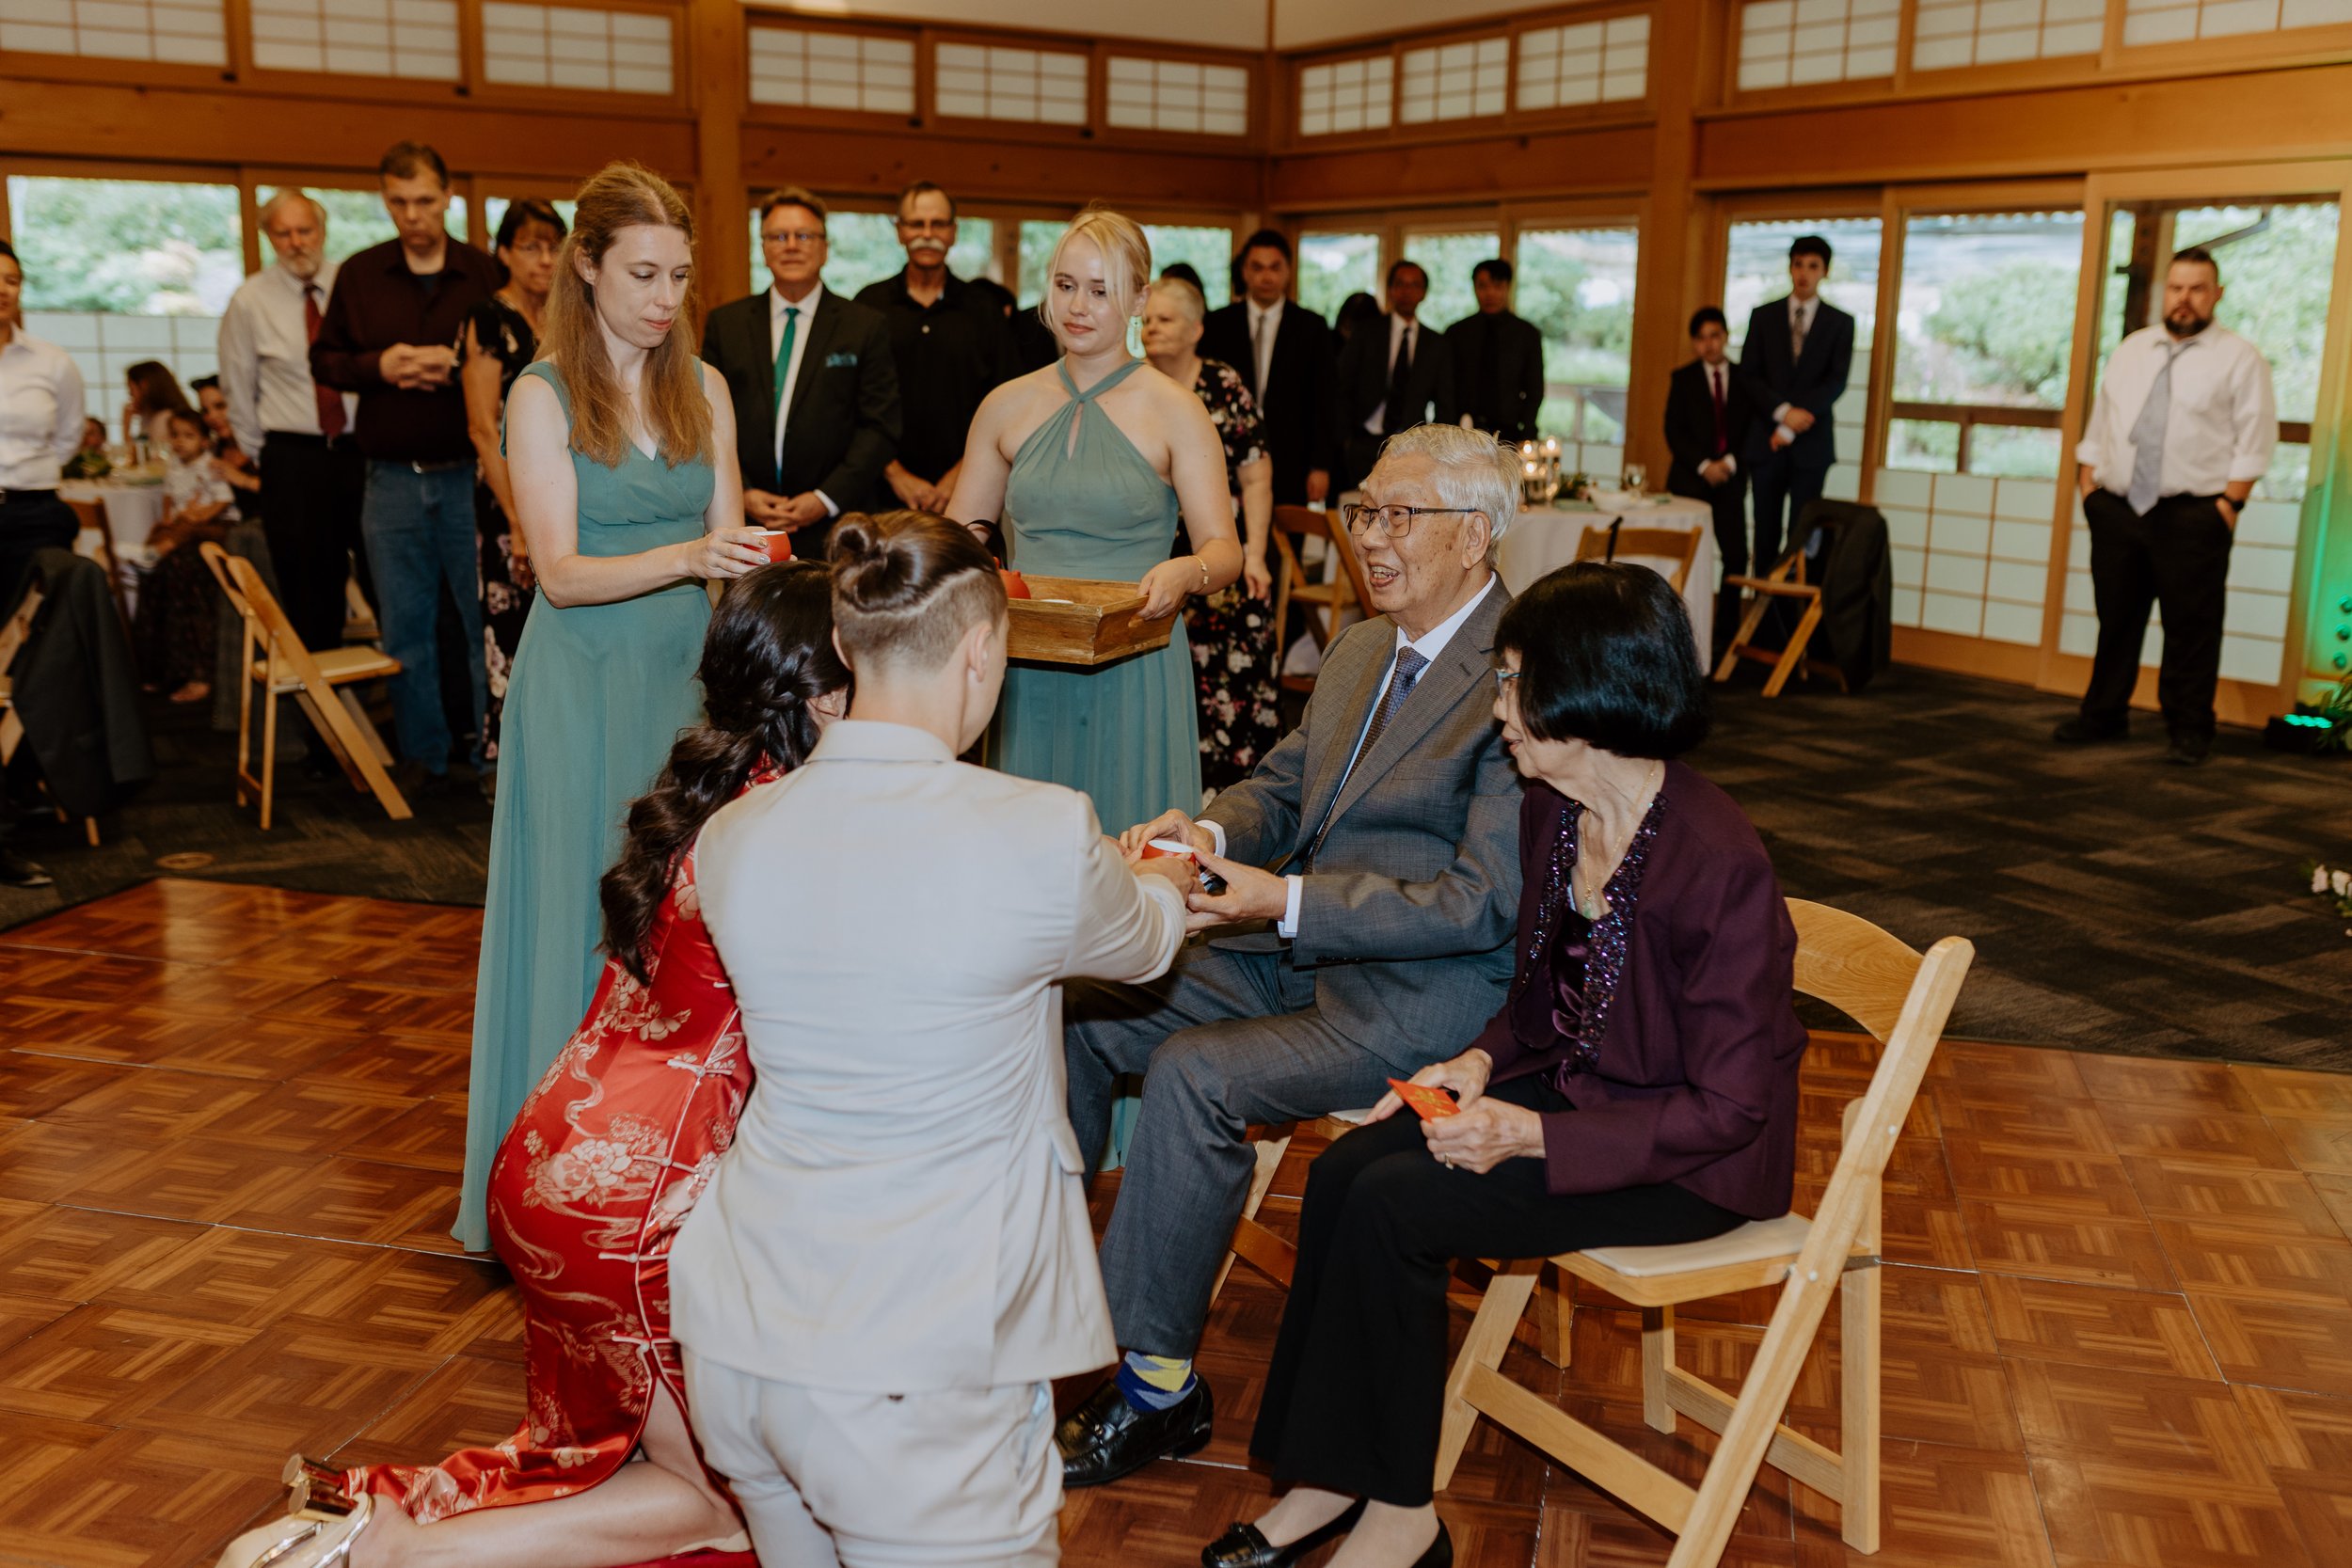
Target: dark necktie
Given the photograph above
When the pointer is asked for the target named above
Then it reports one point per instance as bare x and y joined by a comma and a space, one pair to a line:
1410, 662
1715, 392
330, 401
1397, 416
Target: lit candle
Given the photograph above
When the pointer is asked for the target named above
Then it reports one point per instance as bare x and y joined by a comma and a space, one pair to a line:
1551, 446
1527, 448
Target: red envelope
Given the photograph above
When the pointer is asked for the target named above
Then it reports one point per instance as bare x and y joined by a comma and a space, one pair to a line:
1425, 1101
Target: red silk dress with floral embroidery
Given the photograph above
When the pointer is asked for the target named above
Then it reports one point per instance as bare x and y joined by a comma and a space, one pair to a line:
605, 1159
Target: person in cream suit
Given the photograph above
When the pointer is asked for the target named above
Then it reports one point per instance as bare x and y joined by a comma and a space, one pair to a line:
892, 1260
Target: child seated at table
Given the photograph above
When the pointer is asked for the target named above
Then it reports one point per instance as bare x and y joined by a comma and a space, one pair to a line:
174, 630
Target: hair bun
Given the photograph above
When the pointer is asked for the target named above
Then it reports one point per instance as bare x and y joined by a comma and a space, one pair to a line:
872, 566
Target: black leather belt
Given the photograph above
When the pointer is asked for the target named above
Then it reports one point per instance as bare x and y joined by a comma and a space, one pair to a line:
7, 495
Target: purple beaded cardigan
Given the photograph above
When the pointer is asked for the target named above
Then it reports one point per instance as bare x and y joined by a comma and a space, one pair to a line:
1679, 1047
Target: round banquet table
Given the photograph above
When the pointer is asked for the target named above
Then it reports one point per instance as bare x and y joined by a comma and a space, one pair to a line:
1544, 538
132, 510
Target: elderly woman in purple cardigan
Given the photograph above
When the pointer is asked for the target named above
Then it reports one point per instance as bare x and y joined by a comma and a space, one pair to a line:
1639, 1087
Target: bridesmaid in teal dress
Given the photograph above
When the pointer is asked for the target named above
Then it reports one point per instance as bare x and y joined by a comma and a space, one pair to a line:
1089, 464
621, 447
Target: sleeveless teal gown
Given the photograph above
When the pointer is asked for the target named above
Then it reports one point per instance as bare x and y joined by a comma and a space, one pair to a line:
598, 693
1127, 734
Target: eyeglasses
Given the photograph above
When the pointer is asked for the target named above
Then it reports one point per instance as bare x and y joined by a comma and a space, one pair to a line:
533, 250
1504, 679
1394, 521
793, 236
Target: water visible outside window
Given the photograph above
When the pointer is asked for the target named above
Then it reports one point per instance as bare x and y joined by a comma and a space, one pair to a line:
1575, 285
1333, 267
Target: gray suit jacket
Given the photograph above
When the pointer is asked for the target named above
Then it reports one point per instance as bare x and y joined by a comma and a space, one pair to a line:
1407, 918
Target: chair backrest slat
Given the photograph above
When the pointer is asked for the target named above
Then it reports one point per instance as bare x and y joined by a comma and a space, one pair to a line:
1309, 523
286, 650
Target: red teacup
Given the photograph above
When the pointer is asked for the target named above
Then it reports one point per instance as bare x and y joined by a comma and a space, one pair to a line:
1015, 587
779, 544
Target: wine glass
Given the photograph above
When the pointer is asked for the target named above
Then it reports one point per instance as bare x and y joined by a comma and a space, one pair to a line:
1636, 475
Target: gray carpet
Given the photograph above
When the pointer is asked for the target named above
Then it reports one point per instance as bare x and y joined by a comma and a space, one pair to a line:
2117, 903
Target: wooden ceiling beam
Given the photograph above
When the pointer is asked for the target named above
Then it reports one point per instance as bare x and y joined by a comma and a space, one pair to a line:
882, 163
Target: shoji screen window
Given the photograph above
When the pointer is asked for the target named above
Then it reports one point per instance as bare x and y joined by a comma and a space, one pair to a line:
1333, 265
117, 271
1043, 86
1577, 286
569, 46
1182, 97
1954, 33
172, 32
1794, 43
1337, 97
805, 68
1467, 80
2181, 20
411, 39
1758, 272
1585, 62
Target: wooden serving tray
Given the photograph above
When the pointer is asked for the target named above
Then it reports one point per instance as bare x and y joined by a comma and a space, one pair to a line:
1079, 621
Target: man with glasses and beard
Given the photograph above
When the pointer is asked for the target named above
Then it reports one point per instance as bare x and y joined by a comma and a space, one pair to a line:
2183, 429
951, 345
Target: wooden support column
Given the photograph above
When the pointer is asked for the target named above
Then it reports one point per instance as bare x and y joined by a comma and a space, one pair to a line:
719, 74
1663, 282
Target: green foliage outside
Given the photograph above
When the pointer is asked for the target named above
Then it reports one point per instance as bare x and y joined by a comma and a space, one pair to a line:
1577, 286
1333, 267
1210, 251
133, 247
1448, 259
2276, 286
2002, 337
863, 247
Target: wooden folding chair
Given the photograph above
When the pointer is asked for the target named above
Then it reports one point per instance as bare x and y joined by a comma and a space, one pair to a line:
322, 682
1902, 999
12, 635
1610, 542
94, 519
1266, 1252
1346, 591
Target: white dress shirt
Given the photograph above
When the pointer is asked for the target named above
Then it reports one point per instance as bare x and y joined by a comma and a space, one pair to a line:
1429, 645
2224, 421
808, 308
1266, 323
265, 357
1398, 326
42, 410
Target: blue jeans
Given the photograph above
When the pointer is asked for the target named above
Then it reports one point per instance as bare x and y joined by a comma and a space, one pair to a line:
419, 532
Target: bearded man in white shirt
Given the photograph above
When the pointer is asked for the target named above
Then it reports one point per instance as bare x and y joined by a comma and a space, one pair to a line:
2183, 426
313, 479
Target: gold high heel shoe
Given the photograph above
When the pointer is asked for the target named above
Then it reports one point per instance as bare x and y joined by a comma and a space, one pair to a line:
315, 1488
321, 1522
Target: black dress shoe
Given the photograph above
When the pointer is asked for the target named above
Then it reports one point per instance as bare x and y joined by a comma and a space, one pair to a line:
2078, 732
1440, 1552
2188, 751
1243, 1547
16, 871
1106, 1438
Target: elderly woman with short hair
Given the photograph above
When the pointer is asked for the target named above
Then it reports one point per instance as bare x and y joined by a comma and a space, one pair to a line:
1638, 1087
1232, 631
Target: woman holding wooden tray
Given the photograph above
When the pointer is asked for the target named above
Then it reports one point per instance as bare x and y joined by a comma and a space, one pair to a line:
1091, 462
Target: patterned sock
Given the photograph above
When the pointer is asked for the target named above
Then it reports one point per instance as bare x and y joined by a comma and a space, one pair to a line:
1155, 1382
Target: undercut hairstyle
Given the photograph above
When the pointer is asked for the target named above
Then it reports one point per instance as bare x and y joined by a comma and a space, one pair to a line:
405, 159
1126, 260
1708, 315
520, 215
292, 193
1400, 264
921, 188
154, 390
769, 654
1607, 657
792, 195
1497, 270
677, 413
1471, 469
2200, 257
1810, 245
907, 586
1265, 239
1187, 296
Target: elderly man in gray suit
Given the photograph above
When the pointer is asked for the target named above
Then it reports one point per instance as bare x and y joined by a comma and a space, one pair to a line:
1390, 819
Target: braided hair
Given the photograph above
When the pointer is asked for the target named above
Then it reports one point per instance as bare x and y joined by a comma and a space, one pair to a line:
768, 655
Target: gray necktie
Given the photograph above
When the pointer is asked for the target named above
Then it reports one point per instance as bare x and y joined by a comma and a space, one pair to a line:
1801, 323
2148, 437
1257, 356
1410, 662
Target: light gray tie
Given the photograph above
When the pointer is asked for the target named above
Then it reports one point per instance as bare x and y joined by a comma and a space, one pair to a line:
1257, 356
2148, 437
1797, 330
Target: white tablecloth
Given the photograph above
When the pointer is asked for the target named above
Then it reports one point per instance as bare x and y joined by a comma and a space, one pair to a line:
132, 510
1543, 540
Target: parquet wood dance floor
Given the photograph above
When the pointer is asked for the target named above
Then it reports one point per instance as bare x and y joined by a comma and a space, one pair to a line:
2119, 1327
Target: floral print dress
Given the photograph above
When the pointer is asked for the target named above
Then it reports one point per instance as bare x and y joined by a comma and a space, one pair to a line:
1232, 635
609, 1154
507, 585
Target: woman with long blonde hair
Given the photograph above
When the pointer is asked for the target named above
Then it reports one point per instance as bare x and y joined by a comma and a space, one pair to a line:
620, 454
1092, 463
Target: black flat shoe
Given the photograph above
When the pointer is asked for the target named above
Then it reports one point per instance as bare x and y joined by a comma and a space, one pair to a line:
1243, 1547
1106, 1438
1440, 1552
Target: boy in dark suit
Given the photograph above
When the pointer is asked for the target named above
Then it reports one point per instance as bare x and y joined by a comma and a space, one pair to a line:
1287, 358
1498, 358
1393, 373
1707, 415
1794, 362
814, 389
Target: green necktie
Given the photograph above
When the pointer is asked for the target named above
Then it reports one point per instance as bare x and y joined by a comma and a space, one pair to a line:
784, 353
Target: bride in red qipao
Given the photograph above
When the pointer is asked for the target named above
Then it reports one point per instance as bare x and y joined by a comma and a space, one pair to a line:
605, 1159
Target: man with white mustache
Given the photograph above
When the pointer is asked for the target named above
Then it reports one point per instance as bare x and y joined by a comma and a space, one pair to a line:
951, 345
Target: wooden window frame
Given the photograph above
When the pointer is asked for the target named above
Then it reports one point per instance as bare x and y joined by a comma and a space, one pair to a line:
1254, 97
847, 119
677, 101
1620, 111
1089, 128
1729, 95
236, 29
